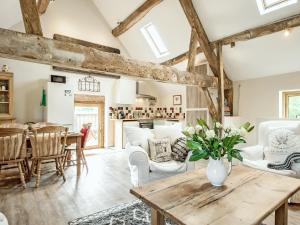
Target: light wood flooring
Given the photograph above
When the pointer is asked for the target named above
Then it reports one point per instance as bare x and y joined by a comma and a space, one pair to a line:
104, 185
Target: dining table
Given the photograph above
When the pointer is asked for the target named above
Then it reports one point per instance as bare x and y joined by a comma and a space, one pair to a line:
72, 138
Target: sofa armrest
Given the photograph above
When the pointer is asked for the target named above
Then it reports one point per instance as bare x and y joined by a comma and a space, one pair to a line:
138, 161
253, 153
189, 164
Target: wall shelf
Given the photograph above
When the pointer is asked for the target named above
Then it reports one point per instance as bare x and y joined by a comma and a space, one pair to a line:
6, 96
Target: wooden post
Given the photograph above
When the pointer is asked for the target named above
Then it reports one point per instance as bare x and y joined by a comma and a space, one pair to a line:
221, 97
195, 95
192, 52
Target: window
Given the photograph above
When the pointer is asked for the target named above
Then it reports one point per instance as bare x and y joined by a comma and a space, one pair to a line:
154, 40
266, 6
291, 104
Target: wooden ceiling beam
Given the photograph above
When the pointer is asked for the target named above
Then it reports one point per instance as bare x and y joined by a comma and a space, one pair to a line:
260, 31
42, 6
208, 50
249, 34
33, 48
192, 16
103, 48
134, 17
31, 17
180, 58
80, 71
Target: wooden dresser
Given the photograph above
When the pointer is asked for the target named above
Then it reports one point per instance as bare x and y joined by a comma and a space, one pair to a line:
6, 98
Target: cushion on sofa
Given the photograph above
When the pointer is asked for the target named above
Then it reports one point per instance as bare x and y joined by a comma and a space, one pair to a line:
168, 167
139, 137
160, 150
282, 142
173, 132
180, 150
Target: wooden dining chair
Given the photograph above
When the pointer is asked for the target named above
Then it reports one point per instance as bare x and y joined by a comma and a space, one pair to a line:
13, 149
69, 149
48, 143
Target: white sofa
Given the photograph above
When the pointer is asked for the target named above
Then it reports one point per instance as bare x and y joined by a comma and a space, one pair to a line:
253, 156
3, 220
142, 169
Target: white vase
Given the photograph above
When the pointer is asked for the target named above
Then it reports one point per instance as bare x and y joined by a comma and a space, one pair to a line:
217, 172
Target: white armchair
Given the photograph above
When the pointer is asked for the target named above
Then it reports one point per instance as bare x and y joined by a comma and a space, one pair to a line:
144, 170
253, 156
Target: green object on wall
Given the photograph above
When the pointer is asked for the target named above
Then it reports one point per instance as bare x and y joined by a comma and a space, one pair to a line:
43, 100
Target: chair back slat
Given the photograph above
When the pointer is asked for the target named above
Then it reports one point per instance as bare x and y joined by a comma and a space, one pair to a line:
47, 141
12, 144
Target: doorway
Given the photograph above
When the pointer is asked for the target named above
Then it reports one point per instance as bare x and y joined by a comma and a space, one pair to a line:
90, 109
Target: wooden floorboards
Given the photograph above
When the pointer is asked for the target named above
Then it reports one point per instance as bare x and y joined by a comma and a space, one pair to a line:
105, 185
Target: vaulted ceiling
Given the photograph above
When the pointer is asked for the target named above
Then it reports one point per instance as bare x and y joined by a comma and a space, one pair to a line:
265, 56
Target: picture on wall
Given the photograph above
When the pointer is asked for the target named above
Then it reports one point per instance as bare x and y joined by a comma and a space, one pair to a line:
177, 100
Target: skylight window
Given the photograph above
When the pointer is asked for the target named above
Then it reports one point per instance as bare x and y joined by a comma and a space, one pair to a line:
154, 40
266, 6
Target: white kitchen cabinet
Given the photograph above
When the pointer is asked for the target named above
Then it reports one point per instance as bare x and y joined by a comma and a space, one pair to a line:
125, 91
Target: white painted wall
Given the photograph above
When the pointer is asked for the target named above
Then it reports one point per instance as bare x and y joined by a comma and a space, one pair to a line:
258, 99
164, 92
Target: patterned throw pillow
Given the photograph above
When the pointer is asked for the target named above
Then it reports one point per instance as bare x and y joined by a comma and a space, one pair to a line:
160, 150
179, 150
282, 142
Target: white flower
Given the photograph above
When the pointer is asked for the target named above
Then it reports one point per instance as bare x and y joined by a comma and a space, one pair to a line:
198, 128
210, 134
190, 130
233, 132
243, 132
218, 125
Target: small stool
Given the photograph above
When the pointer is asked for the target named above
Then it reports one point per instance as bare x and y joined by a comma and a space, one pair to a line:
3, 220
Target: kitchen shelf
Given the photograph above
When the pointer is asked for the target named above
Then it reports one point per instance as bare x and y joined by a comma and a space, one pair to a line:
4, 102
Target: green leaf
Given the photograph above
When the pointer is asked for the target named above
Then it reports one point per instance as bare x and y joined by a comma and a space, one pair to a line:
202, 123
197, 155
236, 154
193, 145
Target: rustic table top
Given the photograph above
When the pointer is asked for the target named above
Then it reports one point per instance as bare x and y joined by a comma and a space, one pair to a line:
247, 197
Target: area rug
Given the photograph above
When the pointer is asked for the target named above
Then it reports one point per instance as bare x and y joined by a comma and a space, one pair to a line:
134, 213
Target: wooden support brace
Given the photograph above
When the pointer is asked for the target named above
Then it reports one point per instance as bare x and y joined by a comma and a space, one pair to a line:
31, 17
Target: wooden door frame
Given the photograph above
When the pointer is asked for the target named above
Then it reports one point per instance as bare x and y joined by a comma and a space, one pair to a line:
285, 101
99, 101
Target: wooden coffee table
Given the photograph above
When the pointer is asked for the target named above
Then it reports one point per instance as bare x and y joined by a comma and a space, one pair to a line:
248, 197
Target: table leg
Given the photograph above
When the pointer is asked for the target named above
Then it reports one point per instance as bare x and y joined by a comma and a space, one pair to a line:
78, 155
157, 218
281, 214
